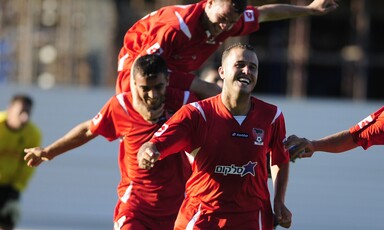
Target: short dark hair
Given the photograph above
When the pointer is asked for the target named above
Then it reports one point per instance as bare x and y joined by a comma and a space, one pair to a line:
237, 45
149, 66
25, 99
239, 5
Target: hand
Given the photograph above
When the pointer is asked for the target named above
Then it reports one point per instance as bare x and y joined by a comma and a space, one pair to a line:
147, 156
35, 156
299, 147
321, 7
282, 215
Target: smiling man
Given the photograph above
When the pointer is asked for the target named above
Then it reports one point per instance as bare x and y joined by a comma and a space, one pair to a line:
229, 137
147, 200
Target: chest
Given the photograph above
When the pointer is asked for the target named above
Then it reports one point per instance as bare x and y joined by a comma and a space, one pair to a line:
228, 142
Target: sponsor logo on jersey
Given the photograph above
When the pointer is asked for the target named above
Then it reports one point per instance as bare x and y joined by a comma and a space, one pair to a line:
161, 130
97, 119
258, 136
249, 16
241, 135
248, 168
155, 49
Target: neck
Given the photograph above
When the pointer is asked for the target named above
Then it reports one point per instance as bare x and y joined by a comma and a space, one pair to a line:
12, 126
237, 105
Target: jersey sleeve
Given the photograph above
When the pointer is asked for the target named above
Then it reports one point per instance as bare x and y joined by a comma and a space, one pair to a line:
279, 154
370, 130
248, 23
177, 134
150, 35
103, 123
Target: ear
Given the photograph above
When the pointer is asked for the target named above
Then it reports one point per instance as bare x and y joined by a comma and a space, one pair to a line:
210, 3
221, 72
167, 79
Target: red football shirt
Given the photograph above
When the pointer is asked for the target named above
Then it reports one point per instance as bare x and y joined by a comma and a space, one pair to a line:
229, 171
369, 131
156, 192
175, 33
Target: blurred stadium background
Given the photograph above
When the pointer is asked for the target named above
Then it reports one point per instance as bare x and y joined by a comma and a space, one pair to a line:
317, 69
75, 42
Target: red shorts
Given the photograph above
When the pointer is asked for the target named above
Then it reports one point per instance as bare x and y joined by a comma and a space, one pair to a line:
128, 219
193, 216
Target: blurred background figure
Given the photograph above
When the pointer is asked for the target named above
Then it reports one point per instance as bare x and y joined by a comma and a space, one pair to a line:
211, 75
16, 133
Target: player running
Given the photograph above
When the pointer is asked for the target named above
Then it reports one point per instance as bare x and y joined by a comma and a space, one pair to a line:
229, 137
147, 199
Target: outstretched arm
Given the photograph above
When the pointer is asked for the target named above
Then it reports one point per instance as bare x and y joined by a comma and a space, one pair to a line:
76, 137
273, 12
204, 89
335, 143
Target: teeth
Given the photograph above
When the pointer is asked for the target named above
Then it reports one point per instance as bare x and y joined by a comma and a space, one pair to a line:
244, 80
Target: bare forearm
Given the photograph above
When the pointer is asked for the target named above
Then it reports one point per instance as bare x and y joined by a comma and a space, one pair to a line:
274, 12
335, 143
76, 137
280, 182
204, 89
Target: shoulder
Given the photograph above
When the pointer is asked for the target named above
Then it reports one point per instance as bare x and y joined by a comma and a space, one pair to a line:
204, 107
122, 101
266, 109
263, 104
176, 14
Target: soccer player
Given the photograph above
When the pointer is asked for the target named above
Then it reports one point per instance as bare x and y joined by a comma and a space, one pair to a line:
147, 199
229, 137
186, 36
368, 132
17, 132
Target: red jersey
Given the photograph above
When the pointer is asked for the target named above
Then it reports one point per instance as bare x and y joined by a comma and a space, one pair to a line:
155, 193
229, 171
369, 131
175, 33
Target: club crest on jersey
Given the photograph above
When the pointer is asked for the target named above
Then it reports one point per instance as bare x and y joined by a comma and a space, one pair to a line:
249, 16
248, 168
258, 136
365, 122
97, 119
161, 130
155, 49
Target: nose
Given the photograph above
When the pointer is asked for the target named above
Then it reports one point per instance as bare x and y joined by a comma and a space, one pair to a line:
152, 94
246, 70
